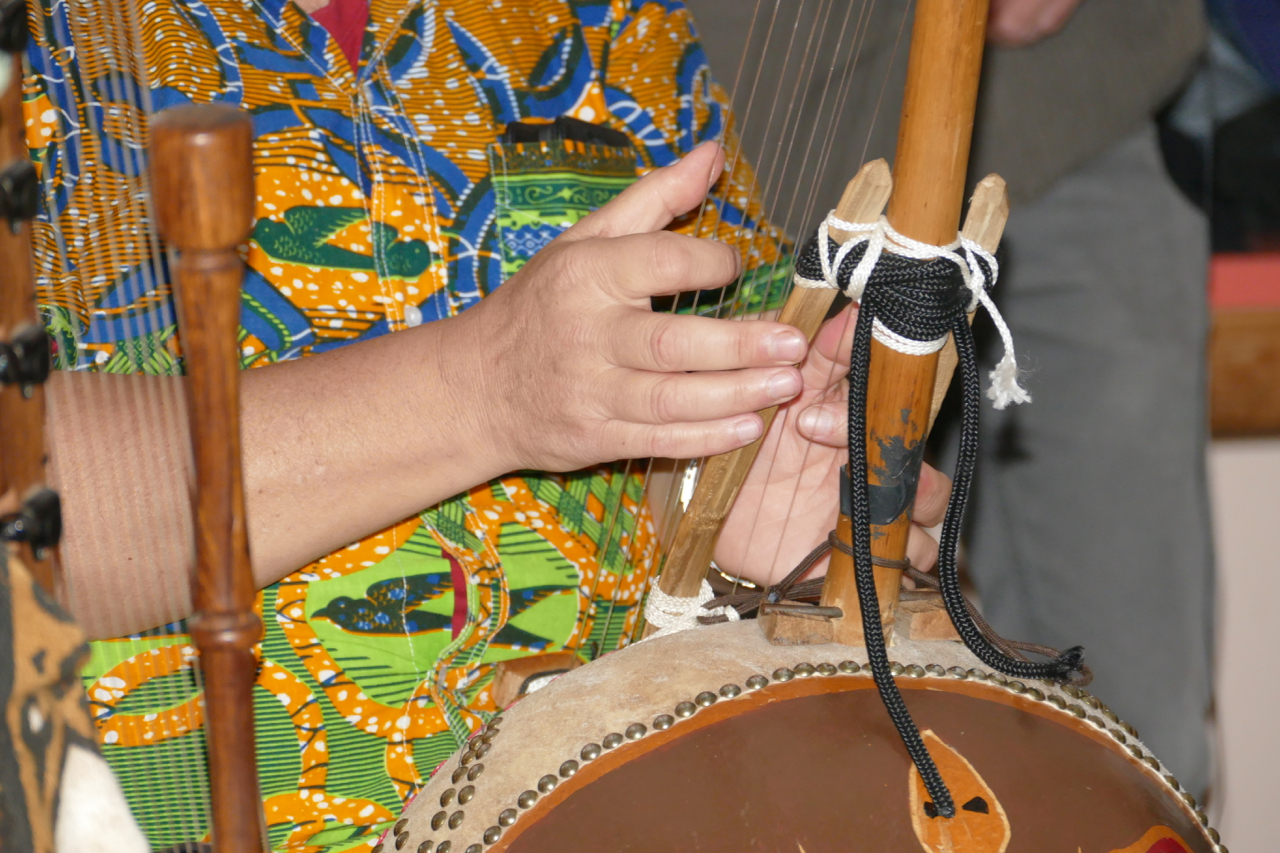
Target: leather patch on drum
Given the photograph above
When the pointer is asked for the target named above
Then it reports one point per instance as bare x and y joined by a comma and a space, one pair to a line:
1158, 839
980, 824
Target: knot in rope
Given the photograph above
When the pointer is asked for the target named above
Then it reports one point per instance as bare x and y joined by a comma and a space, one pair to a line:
672, 614
918, 290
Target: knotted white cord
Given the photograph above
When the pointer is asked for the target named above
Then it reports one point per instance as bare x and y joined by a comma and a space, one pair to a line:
880, 237
672, 614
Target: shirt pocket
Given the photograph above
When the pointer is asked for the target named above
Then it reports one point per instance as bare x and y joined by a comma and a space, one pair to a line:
542, 188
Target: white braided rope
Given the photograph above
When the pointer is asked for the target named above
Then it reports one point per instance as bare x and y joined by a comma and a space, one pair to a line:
880, 237
672, 614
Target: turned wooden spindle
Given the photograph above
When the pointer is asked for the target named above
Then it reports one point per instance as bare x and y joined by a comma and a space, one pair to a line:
202, 190
22, 450
693, 545
929, 176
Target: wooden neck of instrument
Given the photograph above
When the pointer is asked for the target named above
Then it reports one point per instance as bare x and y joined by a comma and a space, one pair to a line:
22, 450
202, 191
928, 191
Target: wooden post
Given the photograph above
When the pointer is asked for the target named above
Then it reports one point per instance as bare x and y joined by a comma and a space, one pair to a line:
929, 173
202, 190
22, 451
693, 545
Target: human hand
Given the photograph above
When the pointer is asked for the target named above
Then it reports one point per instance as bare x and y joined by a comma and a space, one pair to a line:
790, 500
574, 366
1018, 23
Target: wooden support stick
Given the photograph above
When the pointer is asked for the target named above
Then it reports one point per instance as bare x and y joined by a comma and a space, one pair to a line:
984, 225
22, 451
694, 543
202, 189
932, 158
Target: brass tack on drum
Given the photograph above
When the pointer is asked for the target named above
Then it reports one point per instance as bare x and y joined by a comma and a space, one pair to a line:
492, 834
1058, 702
756, 682
804, 670
455, 819
1076, 711
705, 699
1072, 691
662, 722
1097, 721
613, 740
474, 773
1202, 817
896, 668
1172, 782
447, 797
438, 819
488, 737
934, 669
686, 709
590, 752
458, 774
1119, 736
444, 846
1110, 714
1213, 835
1034, 693
1090, 700
475, 742
1130, 731
1151, 762
467, 758
507, 817
977, 675
998, 678
568, 768
495, 722
377, 848
1017, 687
915, 671
849, 667
635, 731
527, 799
399, 827
483, 750
425, 847
826, 669
466, 794
1189, 799
547, 783
474, 848
783, 674
401, 839
729, 691
1135, 751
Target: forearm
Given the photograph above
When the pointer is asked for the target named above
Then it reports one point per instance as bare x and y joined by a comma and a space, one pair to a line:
336, 447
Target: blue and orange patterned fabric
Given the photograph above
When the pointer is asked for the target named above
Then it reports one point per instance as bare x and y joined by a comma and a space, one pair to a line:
385, 200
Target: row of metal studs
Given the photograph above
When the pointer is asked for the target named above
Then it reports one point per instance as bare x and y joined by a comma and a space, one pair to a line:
1121, 733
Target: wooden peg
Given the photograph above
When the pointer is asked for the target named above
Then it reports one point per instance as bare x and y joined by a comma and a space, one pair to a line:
984, 225
202, 190
694, 542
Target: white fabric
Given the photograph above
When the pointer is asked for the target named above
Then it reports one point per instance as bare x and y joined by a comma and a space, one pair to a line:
93, 816
671, 614
880, 236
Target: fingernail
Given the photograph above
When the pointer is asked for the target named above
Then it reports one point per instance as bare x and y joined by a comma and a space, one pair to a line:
787, 346
748, 429
784, 385
817, 422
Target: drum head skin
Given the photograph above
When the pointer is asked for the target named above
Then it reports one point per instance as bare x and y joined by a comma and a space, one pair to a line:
789, 750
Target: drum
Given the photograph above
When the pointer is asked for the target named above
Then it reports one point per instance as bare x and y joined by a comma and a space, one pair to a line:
715, 740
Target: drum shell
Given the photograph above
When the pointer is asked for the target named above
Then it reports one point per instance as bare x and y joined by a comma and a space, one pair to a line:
716, 740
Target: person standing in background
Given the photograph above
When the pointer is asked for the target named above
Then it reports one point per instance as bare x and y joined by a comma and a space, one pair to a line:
1090, 520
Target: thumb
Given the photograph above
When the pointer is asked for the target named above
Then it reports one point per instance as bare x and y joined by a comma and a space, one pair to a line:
659, 197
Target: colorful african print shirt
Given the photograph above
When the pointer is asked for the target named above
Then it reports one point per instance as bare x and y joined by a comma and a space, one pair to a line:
385, 200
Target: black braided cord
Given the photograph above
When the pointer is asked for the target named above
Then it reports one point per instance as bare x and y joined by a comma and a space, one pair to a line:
920, 301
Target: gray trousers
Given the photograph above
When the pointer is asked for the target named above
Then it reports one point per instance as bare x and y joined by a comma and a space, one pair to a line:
1090, 521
